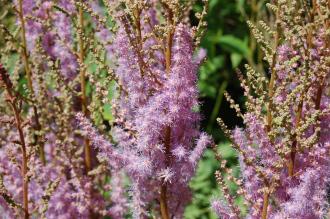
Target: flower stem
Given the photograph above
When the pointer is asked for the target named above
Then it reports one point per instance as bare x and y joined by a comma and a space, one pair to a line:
24, 160
163, 190
169, 42
265, 205
294, 144
28, 73
217, 105
139, 43
12, 100
24, 48
269, 117
163, 202
168, 55
87, 148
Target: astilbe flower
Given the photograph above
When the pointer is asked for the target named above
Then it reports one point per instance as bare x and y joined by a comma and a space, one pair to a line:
58, 184
57, 41
56, 34
115, 159
284, 153
169, 108
156, 136
70, 196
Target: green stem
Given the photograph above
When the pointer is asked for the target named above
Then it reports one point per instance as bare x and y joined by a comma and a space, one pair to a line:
217, 105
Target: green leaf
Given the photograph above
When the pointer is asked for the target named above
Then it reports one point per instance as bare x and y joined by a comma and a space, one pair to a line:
212, 4
200, 185
12, 61
107, 113
204, 171
193, 211
235, 59
218, 62
227, 151
234, 44
211, 66
206, 89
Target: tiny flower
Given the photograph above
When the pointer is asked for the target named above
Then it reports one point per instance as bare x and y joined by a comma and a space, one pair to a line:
166, 175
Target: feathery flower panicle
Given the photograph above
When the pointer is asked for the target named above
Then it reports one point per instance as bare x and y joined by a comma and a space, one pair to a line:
203, 141
49, 146
222, 210
56, 41
118, 195
284, 152
105, 148
156, 127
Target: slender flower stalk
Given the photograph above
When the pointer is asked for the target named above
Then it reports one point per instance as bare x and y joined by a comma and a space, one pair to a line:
163, 189
168, 58
25, 57
87, 148
14, 102
24, 46
270, 104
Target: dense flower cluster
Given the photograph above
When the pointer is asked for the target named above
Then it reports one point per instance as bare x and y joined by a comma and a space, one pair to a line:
156, 130
55, 34
164, 125
57, 159
284, 153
